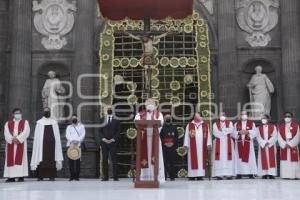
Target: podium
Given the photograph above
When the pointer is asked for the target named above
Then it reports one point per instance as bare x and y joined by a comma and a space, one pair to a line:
141, 125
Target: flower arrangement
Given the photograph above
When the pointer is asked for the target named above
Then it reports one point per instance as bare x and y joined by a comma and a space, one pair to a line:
175, 101
188, 79
181, 151
182, 173
175, 85
131, 133
155, 83
132, 99
134, 62
125, 63
180, 131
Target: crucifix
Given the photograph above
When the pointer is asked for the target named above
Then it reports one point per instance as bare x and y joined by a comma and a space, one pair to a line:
148, 39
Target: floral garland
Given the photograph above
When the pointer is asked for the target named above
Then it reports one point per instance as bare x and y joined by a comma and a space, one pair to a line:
201, 61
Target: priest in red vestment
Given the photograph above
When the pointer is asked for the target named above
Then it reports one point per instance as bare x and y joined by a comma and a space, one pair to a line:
288, 139
197, 140
244, 134
267, 138
16, 132
223, 150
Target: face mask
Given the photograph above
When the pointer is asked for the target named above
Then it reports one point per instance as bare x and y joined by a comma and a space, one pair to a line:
47, 114
150, 108
17, 117
244, 117
168, 120
109, 112
74, 121
287, 119
222, 118
264, 121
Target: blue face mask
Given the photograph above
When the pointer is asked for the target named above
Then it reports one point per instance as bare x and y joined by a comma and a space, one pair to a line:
17, 117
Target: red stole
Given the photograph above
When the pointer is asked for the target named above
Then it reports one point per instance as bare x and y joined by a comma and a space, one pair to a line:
144, 144
193, 145
18, 160
294, 151
272, 160
244, 146
218, 142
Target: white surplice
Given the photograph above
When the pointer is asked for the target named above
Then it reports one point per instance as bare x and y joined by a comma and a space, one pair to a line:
289, 169
37, 150
243, 168
200, 172
147, 174
262, 143
17, 171
223, 167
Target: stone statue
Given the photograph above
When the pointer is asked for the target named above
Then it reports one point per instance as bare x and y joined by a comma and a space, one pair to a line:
51, 93
260, 90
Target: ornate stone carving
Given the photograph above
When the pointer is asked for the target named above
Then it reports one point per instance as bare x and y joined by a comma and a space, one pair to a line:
209, 5
54, 19
257, 18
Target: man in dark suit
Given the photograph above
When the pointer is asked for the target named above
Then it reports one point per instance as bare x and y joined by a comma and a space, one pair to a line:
108, 137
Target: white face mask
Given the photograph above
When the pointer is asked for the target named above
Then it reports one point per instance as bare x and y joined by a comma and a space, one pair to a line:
264, 121
287, 119
244, 117
222, 118
150, 107
17, 117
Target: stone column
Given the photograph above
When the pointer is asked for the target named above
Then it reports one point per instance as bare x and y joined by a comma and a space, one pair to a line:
83, 61
20, 69
290, 55
227, 63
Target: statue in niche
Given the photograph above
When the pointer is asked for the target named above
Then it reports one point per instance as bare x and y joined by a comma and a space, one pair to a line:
52, 96
260, 90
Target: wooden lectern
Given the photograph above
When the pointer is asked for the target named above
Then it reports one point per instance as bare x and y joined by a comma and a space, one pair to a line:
141, 125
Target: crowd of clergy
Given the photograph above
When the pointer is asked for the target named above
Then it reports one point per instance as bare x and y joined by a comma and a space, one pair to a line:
232, 144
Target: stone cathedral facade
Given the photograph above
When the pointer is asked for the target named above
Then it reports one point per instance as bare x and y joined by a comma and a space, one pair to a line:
37, 36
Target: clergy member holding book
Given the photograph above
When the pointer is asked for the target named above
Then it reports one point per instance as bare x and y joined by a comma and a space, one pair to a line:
16, 132
197, 140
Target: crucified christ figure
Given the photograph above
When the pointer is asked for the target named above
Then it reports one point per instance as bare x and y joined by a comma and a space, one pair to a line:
148, 41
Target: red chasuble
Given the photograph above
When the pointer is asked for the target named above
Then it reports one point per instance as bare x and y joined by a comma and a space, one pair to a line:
218, 142
271, 150
144, 140
193, 145
244, 146
294, 151
18, 160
